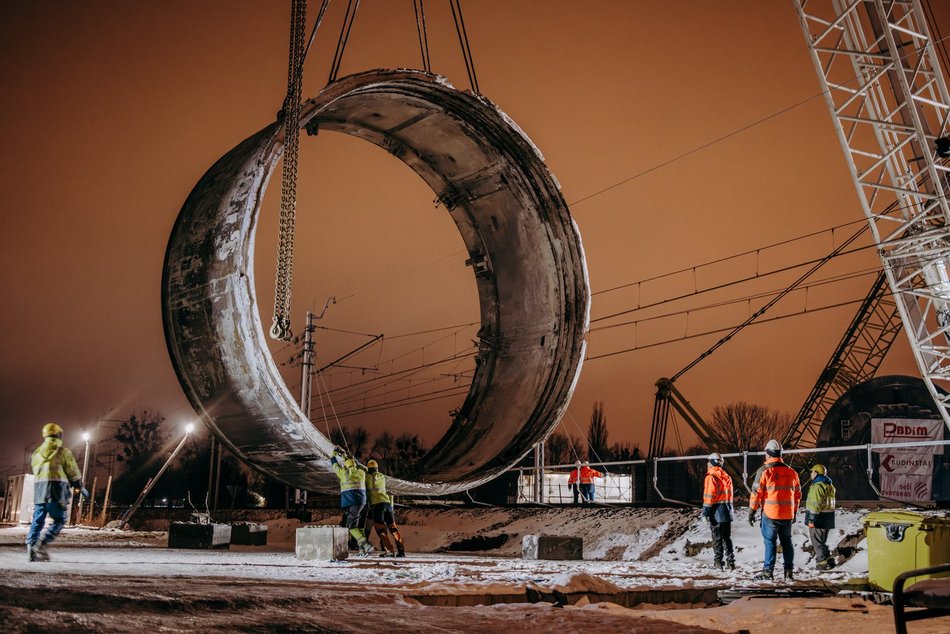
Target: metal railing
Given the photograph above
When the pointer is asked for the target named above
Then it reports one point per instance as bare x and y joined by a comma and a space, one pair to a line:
556, 492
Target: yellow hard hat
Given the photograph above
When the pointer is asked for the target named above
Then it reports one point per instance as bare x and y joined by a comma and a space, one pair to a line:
349, 463
819, 469
51, 429
372, 464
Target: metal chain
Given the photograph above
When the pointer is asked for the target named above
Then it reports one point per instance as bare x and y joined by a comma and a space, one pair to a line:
288, 190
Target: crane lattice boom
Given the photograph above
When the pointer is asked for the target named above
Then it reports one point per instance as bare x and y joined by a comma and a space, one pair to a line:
889, 102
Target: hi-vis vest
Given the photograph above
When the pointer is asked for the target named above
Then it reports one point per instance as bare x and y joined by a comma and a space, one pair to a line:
376, 489
352, 484
54, 468
779, 492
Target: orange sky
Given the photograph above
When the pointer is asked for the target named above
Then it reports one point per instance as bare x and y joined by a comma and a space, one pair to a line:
111, 111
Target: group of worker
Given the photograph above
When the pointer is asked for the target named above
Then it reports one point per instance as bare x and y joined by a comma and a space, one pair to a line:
56, 474
581, 481
363, 492
777, 491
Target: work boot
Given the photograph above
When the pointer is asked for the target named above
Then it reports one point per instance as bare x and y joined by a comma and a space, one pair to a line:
826, 564
366, 548
789, 574
29, 552
764, 575
39, 552
717, 565
731, 565
401, 553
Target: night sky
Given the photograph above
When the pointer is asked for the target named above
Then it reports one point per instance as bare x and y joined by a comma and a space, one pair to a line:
682, 132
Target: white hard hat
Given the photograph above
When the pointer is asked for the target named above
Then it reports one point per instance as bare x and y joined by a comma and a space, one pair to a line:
773, 447
715, 458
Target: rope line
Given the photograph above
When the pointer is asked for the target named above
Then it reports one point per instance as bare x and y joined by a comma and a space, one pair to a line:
456, 7
418, 7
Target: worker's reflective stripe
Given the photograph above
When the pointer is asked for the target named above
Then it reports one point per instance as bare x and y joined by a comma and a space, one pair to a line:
782, 502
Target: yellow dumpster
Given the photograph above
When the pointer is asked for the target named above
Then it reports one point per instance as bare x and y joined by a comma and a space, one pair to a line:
899, 541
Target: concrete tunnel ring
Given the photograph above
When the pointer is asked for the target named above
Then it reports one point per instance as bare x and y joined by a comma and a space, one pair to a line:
523, 246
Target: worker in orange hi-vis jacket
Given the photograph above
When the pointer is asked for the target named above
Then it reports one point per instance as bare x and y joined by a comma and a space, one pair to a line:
779, 494
586, 478
573, 481
717, 508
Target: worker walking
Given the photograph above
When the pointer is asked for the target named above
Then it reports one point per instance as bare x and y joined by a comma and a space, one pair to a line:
779, 495
574, 480
352, 498
717, 508
587, 476
55, 474
820, 515
381, 504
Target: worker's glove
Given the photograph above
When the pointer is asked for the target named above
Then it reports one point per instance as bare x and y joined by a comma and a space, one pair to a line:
83, 491
751, 517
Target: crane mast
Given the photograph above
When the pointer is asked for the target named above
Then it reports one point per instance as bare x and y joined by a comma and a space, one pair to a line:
888, 100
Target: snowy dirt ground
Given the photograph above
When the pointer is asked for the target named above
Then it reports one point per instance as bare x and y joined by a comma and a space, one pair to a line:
124, 581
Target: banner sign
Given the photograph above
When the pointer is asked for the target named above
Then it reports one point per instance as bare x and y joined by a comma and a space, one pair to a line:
900, 430
906, 474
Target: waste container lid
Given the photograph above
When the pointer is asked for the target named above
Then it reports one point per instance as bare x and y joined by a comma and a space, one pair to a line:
877, 518
923, 520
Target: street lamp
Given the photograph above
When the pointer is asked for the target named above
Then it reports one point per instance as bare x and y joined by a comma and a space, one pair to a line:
85, 466
124, 520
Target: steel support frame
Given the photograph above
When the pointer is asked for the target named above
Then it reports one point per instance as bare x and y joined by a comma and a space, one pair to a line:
889, 103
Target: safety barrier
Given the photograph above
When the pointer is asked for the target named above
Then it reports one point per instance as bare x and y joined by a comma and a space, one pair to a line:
625, 482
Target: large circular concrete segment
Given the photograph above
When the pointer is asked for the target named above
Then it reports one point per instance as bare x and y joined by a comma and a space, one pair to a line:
524, 251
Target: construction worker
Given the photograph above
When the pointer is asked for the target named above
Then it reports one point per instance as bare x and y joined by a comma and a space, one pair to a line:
820, 515
587, 476
352, 497
779, 494
384, 520
717, 508
573, 481
55, 474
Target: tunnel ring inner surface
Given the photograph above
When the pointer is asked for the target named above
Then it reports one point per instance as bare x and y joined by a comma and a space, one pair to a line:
524, 250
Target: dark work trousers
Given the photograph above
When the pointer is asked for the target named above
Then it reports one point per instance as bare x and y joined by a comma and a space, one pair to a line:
722, 541
819, 541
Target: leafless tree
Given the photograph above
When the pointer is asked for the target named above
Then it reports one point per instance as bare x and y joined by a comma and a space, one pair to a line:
355, 440
561, 449
597, 433
623, 451
744, 426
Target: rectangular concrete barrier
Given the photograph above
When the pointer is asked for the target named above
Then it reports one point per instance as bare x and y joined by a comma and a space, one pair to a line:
245, 534
192, 535
322, 543
552, 547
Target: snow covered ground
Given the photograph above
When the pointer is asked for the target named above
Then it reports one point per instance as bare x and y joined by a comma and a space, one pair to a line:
627, 551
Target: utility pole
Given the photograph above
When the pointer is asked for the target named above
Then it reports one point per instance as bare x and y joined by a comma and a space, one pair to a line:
210, 473
539, 473
306, 369
306, 385
85, 467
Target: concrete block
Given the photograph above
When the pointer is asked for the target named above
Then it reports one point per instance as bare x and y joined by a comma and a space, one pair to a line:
191, 535
249, 534
322, 543
552, 547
